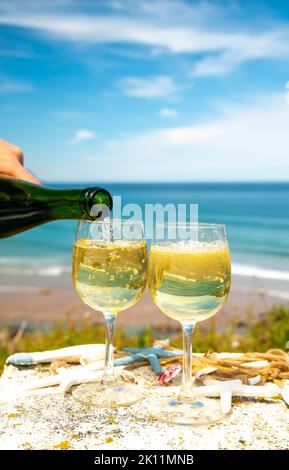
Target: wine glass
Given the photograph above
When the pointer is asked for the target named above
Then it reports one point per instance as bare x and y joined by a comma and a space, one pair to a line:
110, 275
189, 280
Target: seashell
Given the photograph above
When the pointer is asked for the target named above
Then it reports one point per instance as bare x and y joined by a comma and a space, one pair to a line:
257, 364
254, 380
57, 366
205, 371
127, 376
168, 374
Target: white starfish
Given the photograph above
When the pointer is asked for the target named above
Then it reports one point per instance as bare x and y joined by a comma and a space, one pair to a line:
226, 389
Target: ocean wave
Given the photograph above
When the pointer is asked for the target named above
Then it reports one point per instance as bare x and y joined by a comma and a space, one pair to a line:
54, 268
278, 294
35, 267
259, 272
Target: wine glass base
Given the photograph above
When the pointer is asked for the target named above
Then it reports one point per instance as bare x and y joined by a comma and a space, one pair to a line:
201, 412
107, 396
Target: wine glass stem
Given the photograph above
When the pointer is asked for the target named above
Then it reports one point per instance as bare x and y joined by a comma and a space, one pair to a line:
186, 393
108, 375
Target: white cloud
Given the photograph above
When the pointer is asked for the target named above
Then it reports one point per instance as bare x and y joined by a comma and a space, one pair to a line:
248, 142
214, 66
169, 113
166, 26
270, 45
82, 134
8, 85
152, 87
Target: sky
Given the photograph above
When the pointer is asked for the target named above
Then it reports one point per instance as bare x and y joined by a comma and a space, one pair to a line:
139, 90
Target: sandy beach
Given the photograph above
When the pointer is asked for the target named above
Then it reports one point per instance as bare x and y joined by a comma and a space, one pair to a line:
46, 299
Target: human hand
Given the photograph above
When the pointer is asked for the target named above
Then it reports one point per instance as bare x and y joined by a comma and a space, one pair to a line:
12, 161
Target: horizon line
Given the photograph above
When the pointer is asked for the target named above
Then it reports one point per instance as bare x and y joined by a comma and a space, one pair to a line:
168, 182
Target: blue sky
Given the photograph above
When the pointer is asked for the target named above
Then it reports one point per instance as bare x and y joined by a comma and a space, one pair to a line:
124, 90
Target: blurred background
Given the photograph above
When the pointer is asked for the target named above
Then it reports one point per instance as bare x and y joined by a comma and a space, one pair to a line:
158, 101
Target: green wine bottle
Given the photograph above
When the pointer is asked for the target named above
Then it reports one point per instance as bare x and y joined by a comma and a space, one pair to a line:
25, 205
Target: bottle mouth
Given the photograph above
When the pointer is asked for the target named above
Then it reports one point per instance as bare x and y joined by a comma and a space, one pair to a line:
98, 203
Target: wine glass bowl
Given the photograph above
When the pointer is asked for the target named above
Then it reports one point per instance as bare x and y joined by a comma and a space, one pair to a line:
110, 275
189, 280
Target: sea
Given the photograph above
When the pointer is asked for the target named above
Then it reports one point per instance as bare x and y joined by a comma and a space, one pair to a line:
256, 216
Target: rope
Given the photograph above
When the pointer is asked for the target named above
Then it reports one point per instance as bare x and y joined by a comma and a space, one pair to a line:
239, 367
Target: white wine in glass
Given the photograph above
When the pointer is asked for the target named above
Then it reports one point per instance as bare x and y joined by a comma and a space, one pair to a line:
109, 274
189, 281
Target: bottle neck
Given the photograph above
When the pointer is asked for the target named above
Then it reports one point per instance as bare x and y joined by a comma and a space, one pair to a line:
78, 203
65, 203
